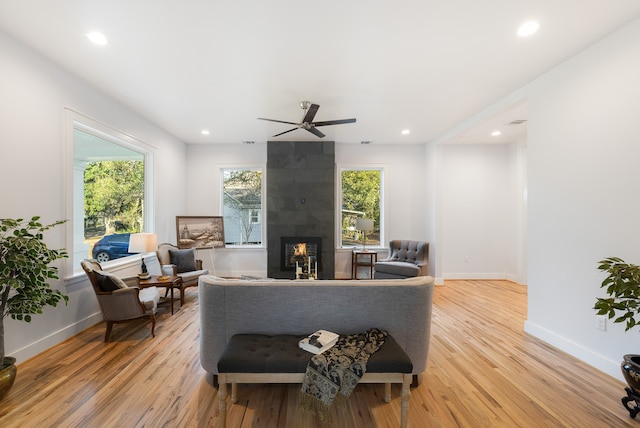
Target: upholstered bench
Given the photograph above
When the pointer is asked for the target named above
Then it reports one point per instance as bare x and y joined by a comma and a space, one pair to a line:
256, 358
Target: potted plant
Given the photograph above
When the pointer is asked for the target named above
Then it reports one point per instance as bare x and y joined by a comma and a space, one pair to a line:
24, 274
623, 304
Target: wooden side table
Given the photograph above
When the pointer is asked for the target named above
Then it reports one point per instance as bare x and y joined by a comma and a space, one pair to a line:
168, 282
364, 258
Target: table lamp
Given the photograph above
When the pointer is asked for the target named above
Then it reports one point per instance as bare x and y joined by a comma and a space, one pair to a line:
364, 225
143, 243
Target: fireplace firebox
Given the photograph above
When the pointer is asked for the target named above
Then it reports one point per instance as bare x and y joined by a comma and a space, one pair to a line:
300, 249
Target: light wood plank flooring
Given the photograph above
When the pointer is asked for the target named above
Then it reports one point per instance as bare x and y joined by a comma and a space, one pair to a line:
483, 371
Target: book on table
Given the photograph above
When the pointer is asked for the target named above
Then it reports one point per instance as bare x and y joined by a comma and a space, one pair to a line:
319, 341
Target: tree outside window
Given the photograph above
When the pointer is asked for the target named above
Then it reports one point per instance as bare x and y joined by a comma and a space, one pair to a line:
361, 198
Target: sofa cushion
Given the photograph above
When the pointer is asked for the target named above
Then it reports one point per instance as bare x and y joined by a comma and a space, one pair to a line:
185, 260
108, 282
398, 268
256, 353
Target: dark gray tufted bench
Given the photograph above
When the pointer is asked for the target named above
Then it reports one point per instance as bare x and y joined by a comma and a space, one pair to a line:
255, 358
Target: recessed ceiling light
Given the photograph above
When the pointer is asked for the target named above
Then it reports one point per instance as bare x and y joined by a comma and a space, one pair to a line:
97, 38
528, 28
205, 132
496, 133
406, 132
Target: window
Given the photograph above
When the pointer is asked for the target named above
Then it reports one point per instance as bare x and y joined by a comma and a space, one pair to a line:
110, 188
242, 206
361, 197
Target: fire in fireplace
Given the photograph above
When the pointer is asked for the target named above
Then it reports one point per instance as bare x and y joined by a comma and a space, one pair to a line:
299, 249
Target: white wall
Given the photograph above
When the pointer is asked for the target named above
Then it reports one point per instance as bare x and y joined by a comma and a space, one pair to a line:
404, 194
478, 217
34, 94
584, 182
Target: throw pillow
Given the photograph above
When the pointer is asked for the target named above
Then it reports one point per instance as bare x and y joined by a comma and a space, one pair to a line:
185, 260
108, 282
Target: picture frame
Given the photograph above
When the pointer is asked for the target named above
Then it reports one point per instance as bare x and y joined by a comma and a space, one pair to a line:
200, 231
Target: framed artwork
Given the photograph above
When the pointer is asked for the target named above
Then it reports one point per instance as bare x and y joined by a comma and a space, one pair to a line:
200, 231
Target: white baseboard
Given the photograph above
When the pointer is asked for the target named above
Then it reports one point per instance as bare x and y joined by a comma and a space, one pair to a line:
612, 368
53, 339
482, 275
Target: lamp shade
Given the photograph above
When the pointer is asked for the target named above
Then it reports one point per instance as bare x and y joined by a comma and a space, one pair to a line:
364, 224
143, 242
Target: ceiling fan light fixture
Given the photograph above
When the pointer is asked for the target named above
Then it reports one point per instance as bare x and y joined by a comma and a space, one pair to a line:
307, 123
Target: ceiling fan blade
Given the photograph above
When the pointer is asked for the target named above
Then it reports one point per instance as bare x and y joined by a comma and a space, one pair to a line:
311, 113
279, 121
292, 129
315, 132
333, 122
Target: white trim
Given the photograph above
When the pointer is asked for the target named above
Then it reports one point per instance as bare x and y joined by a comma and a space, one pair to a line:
383, 168
75, 120
612, 368
263, 197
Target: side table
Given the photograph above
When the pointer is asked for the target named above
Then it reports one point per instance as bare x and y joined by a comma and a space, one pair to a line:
168, 282
363, 258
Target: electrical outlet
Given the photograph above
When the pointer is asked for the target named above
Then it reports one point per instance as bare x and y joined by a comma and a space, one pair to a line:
601, 322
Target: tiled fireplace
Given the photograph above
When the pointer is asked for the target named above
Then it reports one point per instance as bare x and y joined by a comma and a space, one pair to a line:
301, 205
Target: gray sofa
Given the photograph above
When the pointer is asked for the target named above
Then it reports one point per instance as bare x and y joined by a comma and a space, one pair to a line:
279, 306
406, 259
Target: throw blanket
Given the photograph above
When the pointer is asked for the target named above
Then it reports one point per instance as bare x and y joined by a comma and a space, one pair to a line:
334, 374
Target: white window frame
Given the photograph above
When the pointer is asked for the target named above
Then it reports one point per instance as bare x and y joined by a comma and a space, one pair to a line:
263, 200
359, 167
75, 227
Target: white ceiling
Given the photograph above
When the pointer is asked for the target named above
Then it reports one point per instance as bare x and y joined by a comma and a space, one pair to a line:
425, 65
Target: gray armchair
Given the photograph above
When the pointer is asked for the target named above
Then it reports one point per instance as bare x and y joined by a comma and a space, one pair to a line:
182, 263
406, 259
120, 302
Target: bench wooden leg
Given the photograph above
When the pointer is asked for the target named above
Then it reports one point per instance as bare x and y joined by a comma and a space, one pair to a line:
405, 396
234, 392
222, 400
387, 392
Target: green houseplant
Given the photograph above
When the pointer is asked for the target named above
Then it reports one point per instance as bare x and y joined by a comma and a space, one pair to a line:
623, 288
25, 272
623, 305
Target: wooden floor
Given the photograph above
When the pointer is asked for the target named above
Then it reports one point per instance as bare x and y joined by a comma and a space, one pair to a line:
483, 371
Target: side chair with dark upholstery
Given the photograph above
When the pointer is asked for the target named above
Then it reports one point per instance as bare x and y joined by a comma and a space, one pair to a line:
118, 301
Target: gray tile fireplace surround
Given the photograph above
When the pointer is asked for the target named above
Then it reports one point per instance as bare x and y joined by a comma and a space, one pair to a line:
300, 200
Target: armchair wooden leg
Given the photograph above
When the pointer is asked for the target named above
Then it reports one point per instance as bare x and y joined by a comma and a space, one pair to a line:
108, 331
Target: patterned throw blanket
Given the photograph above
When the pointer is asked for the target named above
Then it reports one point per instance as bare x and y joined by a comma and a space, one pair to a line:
332, 375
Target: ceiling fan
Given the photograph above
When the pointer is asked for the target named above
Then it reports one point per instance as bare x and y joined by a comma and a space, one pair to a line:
307, 122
